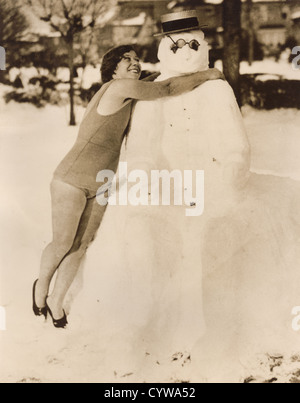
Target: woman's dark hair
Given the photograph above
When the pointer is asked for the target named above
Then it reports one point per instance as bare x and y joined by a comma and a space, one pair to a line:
111, 60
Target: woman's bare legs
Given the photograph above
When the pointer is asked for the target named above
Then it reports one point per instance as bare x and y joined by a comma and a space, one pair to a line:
76, 220
68, 204
88, 226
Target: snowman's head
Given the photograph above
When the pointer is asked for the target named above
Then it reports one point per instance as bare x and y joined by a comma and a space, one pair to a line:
183, 53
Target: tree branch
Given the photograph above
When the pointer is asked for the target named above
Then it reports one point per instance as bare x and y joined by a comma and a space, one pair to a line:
65, 9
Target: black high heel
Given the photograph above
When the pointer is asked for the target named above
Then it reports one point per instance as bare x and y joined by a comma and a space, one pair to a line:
58, 323
36, 310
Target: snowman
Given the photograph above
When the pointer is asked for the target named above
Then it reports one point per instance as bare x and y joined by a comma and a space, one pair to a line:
196, 293
199, 130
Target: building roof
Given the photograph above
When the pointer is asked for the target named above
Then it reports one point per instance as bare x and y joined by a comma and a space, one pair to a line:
37, 27
138, 20
296, 15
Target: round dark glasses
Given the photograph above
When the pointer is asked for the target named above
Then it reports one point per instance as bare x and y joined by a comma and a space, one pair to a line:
193, 44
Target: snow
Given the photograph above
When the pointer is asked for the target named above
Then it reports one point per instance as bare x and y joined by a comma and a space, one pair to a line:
89, 76
282, 68
296, 15
37, 26
267, 77
269, 66
106, 17
276, 125
136, 21
98, 346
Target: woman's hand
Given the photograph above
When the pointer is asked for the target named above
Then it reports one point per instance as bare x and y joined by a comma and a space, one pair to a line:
215, 74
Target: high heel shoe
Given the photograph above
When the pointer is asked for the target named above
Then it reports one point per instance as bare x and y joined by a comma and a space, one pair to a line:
58, 323
36, 310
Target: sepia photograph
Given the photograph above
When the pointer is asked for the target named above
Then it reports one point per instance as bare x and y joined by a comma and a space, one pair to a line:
150, 193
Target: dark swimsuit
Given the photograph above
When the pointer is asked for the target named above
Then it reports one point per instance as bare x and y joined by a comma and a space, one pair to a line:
97, 147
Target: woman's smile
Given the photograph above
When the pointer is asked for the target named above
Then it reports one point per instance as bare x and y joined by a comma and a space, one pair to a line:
135, 70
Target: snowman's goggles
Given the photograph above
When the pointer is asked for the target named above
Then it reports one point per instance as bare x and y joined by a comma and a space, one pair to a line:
193, 44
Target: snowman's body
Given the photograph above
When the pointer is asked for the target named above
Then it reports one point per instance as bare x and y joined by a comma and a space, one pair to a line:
203, 129
198, 130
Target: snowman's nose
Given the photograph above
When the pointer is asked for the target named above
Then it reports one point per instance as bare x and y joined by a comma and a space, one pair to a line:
186, 52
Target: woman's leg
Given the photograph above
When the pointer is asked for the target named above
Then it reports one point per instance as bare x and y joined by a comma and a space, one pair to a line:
68, 205
89, 224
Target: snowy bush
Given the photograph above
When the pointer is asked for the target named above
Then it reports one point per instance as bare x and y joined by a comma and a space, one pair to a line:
271, 93
39, 91
277, 89
87, 94
22, 96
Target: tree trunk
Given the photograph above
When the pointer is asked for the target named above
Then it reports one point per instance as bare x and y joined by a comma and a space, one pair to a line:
72, 92
250, 31
232, 44
2, 77
251, 47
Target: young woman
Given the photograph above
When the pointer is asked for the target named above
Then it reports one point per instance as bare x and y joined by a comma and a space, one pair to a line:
76, 212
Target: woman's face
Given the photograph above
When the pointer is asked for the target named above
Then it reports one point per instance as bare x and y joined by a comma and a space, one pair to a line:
129, 67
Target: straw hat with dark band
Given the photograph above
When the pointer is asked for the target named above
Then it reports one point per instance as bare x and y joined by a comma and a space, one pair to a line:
182, 21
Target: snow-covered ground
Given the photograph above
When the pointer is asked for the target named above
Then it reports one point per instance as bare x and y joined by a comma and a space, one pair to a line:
96, 348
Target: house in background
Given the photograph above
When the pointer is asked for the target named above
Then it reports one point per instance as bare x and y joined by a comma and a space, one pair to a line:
145, 18
271, 21
136, 21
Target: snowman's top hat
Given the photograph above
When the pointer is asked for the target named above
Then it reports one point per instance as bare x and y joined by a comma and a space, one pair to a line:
182, 21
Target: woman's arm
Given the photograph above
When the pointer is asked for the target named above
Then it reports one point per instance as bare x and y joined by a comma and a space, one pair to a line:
147, 91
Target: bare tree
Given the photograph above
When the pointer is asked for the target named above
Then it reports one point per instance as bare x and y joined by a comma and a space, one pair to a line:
13, 23
250, 30
71, 18
232, 10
